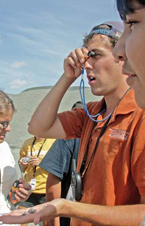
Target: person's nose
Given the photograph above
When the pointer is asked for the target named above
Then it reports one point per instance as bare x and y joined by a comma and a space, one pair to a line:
88, 64
119, 50
8, 129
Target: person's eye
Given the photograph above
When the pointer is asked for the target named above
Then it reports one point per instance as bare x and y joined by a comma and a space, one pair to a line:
97, 55
131, 22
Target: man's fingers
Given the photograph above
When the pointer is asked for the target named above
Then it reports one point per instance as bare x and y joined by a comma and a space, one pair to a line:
22, 194
77, 57
24, 184
24, 191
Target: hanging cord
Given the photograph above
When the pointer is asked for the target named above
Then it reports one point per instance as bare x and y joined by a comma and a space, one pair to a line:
82, 94
84, 167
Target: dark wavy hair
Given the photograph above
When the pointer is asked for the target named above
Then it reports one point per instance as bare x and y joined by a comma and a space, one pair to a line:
129, 6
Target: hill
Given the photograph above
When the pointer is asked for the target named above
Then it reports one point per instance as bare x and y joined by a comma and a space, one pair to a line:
26, 102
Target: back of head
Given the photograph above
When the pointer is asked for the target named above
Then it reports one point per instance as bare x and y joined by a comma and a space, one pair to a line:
6, 104
77, 104
112, 29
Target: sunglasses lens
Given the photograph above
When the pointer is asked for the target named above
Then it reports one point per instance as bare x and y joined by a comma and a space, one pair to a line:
91, 53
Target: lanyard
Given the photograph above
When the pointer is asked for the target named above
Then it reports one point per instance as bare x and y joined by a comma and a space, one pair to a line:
83, 168
34, 168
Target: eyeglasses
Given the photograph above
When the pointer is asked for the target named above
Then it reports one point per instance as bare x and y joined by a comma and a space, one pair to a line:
4, 124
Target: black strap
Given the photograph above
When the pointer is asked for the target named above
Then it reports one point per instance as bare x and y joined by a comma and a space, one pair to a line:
103, 107
33, 145
76, 148
83, 168
34, 168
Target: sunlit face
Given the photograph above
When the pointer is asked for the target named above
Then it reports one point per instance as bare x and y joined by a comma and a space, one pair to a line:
131, 48
103, 72
5, 118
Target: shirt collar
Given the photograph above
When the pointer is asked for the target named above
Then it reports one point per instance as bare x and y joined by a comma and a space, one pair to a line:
126, 105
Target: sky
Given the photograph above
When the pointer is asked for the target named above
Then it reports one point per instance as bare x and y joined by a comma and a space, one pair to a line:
36, 36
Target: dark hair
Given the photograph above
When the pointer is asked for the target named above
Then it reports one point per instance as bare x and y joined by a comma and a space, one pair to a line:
77, 104
128, 6
6, 104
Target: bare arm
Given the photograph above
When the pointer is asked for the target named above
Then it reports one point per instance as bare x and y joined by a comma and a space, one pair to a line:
130, 215
53, 191
53, 187
44, 122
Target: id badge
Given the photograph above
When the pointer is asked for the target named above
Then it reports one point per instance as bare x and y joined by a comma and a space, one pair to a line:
33, 184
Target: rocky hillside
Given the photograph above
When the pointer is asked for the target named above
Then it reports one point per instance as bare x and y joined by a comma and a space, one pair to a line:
27, 101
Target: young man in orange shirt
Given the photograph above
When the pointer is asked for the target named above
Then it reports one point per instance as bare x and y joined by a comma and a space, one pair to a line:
112, 150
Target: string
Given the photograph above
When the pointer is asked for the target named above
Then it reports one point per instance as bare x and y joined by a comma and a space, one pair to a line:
82, 95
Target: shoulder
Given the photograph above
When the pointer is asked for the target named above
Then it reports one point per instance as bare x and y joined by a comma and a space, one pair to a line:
139, 114
71, 142
77, 112
4, 145
95, 105
49, 141
92, 108
28, 141
6, 153
139, 119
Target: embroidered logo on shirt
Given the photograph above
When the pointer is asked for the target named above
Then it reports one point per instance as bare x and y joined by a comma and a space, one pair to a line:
120, 134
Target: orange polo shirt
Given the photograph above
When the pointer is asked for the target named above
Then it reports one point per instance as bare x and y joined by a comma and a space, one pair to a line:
116, 175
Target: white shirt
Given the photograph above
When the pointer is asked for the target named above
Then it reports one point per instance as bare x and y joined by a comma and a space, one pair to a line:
8, 175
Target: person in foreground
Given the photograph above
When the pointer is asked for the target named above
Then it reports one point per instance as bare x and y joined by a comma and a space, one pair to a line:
114, 148
131, 46
8, 172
